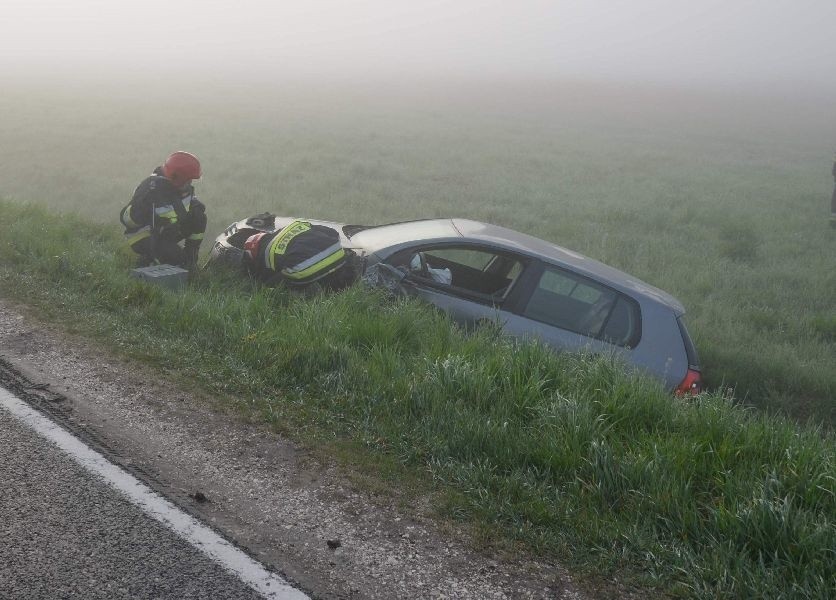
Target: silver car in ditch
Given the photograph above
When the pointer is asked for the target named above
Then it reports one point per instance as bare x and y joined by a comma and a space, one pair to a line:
478, 272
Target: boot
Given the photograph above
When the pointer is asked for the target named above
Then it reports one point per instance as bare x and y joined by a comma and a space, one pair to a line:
145, 260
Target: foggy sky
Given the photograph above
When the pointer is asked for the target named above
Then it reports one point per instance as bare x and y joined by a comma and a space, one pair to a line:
676, 41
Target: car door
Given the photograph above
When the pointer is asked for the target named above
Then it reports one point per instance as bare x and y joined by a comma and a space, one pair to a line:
470, 283
571, 312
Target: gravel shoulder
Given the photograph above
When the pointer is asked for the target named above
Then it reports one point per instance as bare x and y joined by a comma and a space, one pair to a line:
303, 518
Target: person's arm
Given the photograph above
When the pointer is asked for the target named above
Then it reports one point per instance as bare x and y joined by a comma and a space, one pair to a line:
179, 209
141, 207
195, 221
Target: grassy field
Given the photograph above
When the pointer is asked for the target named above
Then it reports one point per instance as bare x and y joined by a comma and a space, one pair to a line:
564, 456
720, 199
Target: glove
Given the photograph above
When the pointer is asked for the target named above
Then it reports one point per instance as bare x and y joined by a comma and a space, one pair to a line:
169, 231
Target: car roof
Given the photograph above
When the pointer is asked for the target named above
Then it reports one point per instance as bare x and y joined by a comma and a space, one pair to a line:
383, 236
442, 230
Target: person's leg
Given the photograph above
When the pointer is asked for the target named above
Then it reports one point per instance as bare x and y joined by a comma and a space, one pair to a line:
143, 248
159, 251
194, 230
169, 252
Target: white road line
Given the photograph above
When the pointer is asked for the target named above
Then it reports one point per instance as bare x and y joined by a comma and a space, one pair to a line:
198, 535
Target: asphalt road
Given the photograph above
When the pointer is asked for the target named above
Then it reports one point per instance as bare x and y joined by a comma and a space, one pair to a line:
66, 533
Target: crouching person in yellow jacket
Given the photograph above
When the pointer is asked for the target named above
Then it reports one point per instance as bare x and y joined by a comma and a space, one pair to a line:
298, 255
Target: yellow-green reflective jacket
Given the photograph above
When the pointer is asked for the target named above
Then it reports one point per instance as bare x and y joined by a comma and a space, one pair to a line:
301, 252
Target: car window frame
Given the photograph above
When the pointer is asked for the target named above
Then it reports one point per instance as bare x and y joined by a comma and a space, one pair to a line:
509, 300
535, 273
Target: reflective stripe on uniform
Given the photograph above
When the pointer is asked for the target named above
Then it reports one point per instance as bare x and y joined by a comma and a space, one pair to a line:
166, 212
278, 245
195, 236
137, 236
125, 217
289, 271
315, 268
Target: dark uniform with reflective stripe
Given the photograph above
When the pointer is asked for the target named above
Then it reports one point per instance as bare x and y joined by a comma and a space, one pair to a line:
299, 254
159, 216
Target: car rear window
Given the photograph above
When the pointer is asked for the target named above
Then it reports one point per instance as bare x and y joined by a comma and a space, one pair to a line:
574, 303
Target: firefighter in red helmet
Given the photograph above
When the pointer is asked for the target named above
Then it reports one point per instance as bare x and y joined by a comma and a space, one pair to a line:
163, 211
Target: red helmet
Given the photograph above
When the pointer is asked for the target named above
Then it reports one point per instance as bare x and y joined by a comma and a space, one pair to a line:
251, 246
181, 168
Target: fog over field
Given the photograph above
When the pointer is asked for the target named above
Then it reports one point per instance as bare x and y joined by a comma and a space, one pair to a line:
689, 144
706, 44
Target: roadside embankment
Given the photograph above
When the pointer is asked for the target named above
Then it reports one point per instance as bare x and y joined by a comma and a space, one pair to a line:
565, 456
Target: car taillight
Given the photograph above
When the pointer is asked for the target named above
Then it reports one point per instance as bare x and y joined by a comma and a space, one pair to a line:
692, 384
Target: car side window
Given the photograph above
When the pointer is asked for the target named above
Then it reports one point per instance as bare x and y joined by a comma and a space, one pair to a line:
476, 271
476, 259
623, 327
574, 303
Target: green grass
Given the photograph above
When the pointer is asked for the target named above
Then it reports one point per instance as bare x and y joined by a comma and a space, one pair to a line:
565, 455
721, 200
